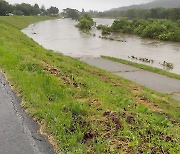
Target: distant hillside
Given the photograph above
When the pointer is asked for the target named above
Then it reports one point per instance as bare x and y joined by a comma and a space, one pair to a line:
154, 4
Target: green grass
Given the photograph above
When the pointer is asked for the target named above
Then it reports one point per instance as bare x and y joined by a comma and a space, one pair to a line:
85, 109
144, 67
21, 22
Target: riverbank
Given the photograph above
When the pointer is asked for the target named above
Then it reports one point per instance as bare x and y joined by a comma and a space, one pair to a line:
82, 108
144, 67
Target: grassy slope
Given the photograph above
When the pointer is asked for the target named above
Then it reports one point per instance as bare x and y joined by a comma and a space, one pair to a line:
21, 22
86, 109
144, 67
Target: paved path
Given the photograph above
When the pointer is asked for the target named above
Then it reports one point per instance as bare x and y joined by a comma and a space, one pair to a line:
157, 82
18, 133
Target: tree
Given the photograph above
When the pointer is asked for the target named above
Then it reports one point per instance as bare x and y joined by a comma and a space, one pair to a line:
18, 12
71, 13
43, 10
174, 14
27, 9
53, 10
83, 11
36, 10
5, 8
36, 6
132, 13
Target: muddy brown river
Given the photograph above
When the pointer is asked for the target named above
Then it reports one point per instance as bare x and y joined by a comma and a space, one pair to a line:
62, 36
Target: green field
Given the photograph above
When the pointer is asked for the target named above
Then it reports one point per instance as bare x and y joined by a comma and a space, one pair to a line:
81, 108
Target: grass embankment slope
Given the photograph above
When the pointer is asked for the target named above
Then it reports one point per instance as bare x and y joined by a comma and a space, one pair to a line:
84, 109
21, 22
144, 67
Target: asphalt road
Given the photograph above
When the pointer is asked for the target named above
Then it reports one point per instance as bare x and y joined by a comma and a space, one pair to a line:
18, 132
157, 82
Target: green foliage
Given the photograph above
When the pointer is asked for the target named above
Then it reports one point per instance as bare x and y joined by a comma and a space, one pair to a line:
85, 23
155, 13
105, 29
161, 29
25, 9
71, 13
122, 25
153, 31
4, 8
158, 29
53, 10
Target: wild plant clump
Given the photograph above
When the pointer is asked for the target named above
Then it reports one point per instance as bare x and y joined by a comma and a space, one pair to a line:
85, 23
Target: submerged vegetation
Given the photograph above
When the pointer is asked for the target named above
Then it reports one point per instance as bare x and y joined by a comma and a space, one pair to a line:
163, 29
157, 23
85, 23
85, 110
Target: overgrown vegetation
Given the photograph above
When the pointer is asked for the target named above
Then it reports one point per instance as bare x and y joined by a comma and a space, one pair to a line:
163, 29
144, 67
86, 110
85, 23
105, 29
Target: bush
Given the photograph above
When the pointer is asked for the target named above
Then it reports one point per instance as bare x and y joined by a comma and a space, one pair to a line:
105, 29
153, 31
176, 35
85, 23
122, 25
166, 36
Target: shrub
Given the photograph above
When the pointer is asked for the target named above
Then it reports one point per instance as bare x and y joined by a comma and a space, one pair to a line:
122, 25
166, 36
153, 31
85, 23
105, 29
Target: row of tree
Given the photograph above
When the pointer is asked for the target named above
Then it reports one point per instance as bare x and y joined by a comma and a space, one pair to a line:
156, 13
25, 9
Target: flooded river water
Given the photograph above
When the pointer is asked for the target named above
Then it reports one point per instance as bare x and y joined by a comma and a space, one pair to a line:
62, 36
